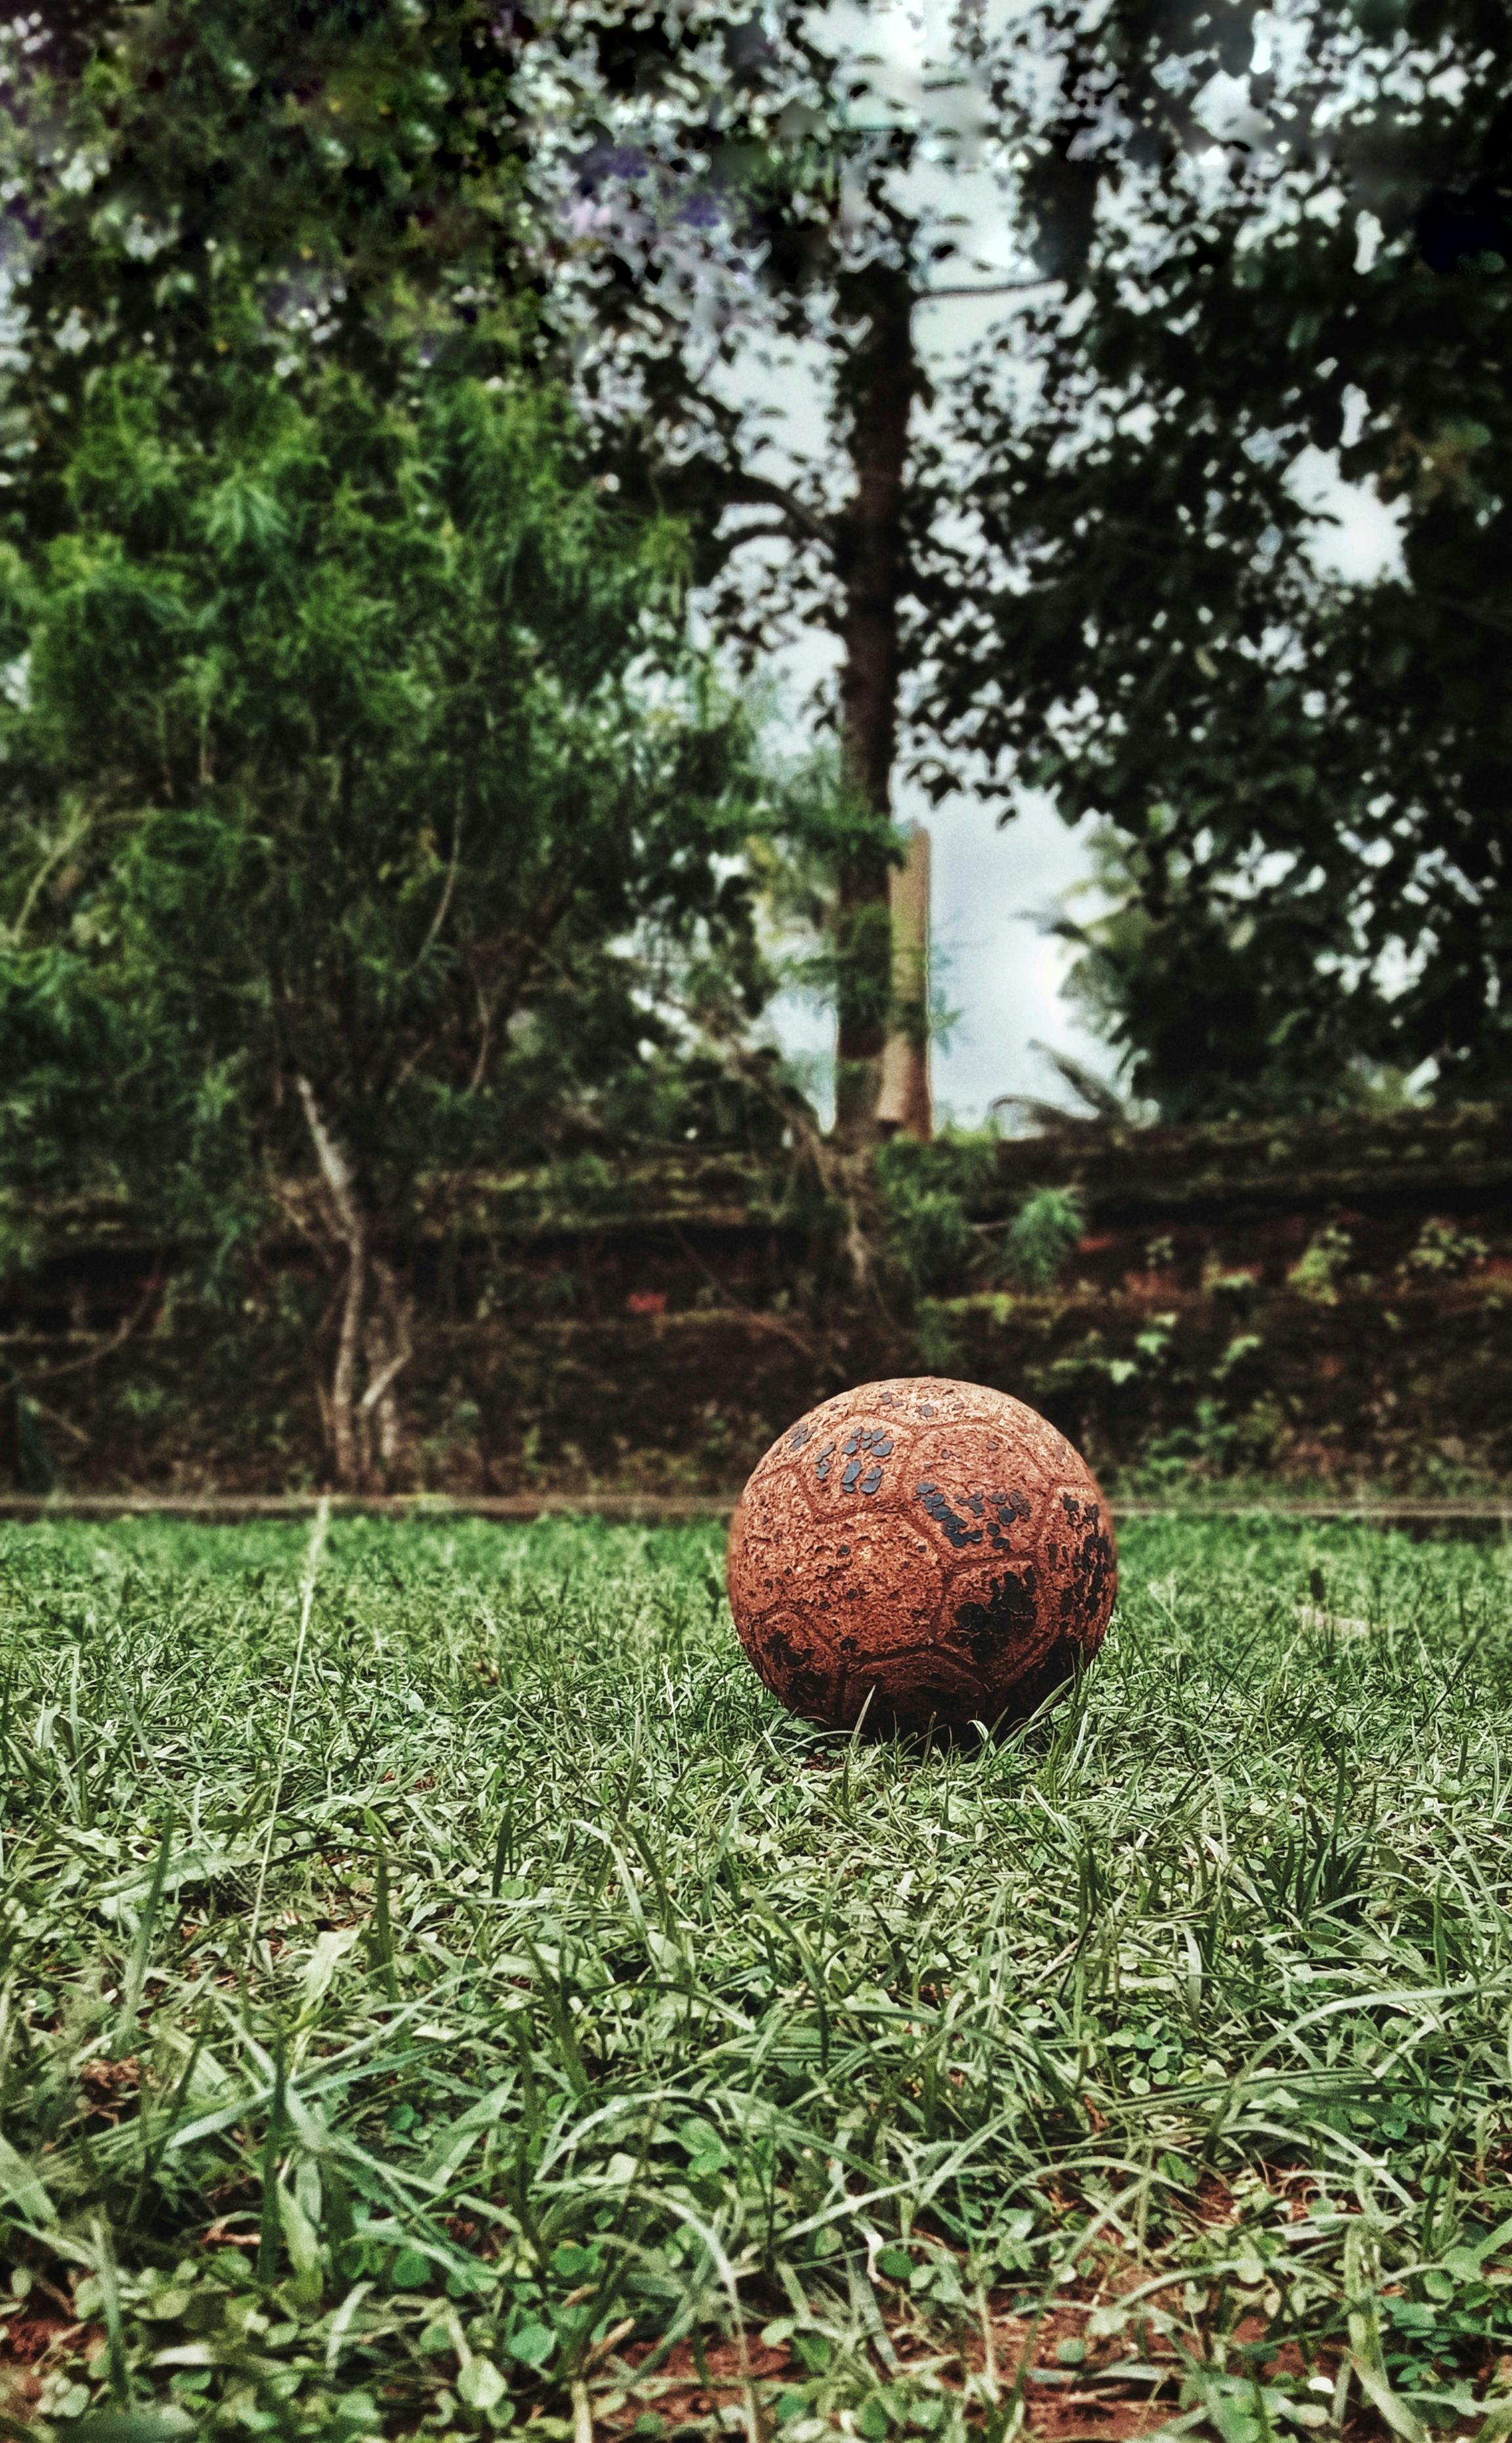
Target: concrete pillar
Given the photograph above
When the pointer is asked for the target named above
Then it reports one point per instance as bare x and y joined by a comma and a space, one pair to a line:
904, 1107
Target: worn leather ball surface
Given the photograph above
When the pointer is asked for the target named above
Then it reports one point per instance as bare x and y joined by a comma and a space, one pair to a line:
921, 1551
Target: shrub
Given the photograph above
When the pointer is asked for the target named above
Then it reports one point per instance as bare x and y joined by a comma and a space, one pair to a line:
1044, 1235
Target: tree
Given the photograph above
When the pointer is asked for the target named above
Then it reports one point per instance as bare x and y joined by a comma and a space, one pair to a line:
1308, 776
774, 175
360, 789
354, 172
1222, 1000
712, 189
675, 188
359, 176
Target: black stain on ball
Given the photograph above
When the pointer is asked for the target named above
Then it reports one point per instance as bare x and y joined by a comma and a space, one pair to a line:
801, 1684
987, 1627
1086, 1588
944, 1516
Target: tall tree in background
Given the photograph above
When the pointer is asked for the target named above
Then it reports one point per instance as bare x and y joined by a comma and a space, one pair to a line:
794, 174
718, 187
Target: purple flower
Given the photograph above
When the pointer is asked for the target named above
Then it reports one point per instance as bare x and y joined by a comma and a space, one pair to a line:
604, 162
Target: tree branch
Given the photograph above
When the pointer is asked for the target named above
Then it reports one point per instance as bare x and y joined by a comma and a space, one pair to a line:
746, 490
992, 288
62, 847
335, 1168
116, 1340
444, 904
717, 553
402, 1345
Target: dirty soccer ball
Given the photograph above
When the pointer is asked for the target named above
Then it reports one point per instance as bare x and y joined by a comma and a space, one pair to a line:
918, 1552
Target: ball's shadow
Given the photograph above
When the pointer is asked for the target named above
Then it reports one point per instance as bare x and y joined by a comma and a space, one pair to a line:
1035, 1696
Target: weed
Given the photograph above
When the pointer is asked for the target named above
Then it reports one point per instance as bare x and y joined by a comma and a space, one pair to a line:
1441, 1252
927, 1195
1318, 1271
1043, 1236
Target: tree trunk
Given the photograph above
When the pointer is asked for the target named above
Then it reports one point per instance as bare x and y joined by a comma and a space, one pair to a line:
375, 1328
390, 1348
878, 387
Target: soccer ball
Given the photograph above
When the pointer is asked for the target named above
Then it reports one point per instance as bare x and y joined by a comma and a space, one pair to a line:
921, 1551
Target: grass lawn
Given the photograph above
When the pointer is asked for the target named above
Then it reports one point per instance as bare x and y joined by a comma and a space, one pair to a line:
440, 1991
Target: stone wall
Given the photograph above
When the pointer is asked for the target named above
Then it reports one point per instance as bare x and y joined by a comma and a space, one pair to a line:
1329, 1304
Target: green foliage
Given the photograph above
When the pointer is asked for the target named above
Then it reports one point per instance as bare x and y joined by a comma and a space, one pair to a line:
1441, 1251
459, 183
323, 654
1222, 1000
927, 1195
367, 809
474, 1956
349, 175
1308, 775
1318, 1272
358, 745
345, 747
1043, 1236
